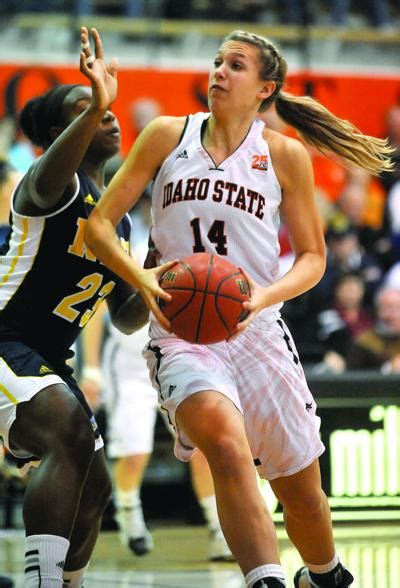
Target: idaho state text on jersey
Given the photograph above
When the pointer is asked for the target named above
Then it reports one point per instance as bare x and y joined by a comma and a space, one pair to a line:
227, 193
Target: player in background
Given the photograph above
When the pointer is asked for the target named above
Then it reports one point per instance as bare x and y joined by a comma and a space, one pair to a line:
51, 285
222, 180
114, 368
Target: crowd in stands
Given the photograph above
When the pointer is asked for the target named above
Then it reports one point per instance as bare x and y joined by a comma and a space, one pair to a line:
351, 319
377, 13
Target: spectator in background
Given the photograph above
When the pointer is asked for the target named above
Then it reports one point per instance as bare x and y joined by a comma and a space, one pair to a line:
379, 347
296, 12
338, 325
144, 110
362, 205
129, 8
244, 10
345, 254
375, 10
9, 177
21, 153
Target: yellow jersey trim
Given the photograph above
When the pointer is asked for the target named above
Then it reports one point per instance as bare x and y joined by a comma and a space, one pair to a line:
8, 394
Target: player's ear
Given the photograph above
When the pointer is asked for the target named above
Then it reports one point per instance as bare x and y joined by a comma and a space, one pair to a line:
267, 88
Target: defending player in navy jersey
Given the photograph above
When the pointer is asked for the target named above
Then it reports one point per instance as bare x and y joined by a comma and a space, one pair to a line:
50, 286
222, 181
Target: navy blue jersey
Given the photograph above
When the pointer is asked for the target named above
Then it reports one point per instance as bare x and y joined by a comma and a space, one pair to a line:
50, 282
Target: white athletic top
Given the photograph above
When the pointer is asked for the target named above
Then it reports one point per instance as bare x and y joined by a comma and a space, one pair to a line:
231, 210
139, 246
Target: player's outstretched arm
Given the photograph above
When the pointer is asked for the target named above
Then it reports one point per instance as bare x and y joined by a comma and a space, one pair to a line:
53, 173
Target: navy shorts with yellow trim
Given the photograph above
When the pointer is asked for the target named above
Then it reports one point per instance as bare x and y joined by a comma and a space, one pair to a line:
24, 373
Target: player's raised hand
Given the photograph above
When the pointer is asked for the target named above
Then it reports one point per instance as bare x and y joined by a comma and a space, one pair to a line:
102, 77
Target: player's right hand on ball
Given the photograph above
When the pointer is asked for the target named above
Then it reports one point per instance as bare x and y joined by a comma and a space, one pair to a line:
150, 290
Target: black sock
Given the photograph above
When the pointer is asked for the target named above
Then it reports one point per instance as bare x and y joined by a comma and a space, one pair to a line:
269, 582
329, 579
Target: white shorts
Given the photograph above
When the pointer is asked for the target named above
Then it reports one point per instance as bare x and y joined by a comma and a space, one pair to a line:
129, 399
261, 373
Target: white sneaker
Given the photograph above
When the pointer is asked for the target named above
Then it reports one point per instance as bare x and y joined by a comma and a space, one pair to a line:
219, 549
133, 531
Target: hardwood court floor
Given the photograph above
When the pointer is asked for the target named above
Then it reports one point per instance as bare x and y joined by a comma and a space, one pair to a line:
180, 559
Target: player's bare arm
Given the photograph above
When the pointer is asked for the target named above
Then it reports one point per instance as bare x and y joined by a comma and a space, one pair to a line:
151, 148
300, 214
128, 311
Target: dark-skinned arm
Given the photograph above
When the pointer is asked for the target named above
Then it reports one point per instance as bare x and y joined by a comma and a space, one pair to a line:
128, 311
53, 174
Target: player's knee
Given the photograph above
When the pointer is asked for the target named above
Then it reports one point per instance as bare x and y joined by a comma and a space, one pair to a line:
72, 435
308, 504
225, 453
100, 497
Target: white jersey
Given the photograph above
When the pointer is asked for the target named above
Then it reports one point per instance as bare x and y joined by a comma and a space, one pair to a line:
230, 210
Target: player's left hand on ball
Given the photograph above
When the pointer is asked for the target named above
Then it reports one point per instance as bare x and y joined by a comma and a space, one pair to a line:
252, 307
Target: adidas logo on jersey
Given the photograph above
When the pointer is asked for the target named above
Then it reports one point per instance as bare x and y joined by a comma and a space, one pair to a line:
90, 200
183, 155
171, 389
45, 370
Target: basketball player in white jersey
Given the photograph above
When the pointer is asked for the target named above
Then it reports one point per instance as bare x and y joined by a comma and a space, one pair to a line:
222, 179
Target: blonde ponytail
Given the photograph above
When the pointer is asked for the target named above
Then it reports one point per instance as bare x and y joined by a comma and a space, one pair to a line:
328, 133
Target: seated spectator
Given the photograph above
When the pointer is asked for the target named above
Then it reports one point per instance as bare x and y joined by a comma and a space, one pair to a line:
339, 325
240, 10
344, 255
377, 11
379, 347
129, 8
296, 12
362, 203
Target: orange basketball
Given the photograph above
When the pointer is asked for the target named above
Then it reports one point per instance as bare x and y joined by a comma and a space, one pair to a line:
207, 294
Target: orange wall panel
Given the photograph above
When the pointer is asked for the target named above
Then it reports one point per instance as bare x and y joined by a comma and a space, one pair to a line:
361, 99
